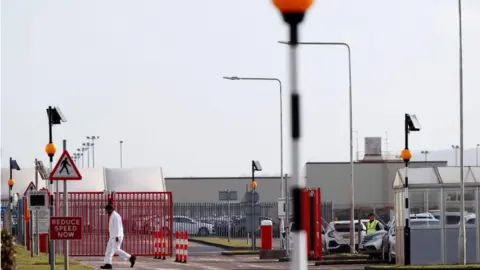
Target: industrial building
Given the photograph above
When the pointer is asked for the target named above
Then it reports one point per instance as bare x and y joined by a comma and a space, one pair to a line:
373, 173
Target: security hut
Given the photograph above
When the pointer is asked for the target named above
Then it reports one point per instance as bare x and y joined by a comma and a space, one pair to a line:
434, 199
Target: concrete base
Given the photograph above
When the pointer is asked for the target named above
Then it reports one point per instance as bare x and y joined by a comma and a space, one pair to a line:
272, 254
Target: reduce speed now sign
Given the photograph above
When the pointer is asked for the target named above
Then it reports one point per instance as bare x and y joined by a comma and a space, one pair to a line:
66, 228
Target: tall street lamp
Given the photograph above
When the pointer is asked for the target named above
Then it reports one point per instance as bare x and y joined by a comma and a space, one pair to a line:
425, 154
121, 154
476, 153
350, 108
462, 241
455, 152
86, 147
93, 138
283, 188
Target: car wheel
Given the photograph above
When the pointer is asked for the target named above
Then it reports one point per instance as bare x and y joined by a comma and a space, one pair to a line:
203, 232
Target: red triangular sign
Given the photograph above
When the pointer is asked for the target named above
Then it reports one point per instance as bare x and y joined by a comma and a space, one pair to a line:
31, 186
65, 169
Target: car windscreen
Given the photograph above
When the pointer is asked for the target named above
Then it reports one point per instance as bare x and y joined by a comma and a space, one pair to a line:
344, 227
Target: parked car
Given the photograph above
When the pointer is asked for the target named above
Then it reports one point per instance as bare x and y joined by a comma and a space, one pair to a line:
389, 239
337, 235
453, 218
180, 223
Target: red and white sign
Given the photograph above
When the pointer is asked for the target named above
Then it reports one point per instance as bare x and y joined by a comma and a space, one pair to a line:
65, 169
66, 228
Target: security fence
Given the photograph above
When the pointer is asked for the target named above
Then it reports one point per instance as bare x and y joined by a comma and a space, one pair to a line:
218, 219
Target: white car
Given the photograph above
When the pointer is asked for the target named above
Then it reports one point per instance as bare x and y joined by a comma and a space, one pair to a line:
337, 236
324, 242
453, 218
180, 224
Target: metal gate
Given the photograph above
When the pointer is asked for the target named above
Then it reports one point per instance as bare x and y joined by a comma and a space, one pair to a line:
143, 214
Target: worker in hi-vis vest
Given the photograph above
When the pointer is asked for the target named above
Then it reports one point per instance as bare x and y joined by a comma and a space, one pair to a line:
373, 224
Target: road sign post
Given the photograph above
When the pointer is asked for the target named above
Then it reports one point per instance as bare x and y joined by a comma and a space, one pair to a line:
65, 170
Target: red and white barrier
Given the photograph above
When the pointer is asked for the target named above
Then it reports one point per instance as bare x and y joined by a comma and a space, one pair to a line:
160, 245
181, 247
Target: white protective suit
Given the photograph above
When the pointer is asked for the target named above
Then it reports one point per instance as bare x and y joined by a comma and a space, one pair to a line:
115, 231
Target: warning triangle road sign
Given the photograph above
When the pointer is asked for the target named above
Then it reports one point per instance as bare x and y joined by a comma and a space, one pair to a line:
65, 169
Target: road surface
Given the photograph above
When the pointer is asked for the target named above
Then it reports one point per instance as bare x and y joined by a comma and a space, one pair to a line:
210, 262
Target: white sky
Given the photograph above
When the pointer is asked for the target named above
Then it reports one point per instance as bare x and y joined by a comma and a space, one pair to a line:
150, 73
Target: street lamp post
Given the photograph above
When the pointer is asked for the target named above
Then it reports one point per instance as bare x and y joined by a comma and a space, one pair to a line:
350, 108
455, 153
93, 138
121, 154
283, 180
425, 154
87, 148
462, 241
80, 155
476, 154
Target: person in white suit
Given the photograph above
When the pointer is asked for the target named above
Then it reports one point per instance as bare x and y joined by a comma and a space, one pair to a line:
115, 239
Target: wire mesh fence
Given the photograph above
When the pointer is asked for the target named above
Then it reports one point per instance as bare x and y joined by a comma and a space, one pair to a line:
218, 219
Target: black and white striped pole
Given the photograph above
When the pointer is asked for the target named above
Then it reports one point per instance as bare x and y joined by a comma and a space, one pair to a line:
411, 124
293, 13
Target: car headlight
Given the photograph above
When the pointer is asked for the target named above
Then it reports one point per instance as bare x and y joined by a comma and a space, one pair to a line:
331, 234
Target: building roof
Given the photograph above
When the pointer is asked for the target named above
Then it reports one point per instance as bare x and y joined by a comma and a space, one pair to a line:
437, 177
93, 180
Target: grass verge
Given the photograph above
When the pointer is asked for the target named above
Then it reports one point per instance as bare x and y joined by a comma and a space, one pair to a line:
233, 244
437, 266
40, 262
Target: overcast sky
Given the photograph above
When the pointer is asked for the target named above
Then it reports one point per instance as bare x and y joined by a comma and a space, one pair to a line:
150, 73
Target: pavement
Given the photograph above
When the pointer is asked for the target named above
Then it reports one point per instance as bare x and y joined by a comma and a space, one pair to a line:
212, 262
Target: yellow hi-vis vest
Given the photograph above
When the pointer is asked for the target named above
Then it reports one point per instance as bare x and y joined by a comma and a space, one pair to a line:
372, 226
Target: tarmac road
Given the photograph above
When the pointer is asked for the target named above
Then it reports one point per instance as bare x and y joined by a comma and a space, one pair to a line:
212, 262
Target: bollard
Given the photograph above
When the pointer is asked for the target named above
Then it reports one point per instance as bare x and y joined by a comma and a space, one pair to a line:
185, 247
159, 245
266, 231
177, 246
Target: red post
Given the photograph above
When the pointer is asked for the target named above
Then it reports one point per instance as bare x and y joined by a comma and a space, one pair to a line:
266, 230
43, 237
306, 218
318, 225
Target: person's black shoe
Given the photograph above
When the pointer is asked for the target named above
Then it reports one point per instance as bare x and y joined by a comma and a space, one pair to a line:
106, 266
132, 260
